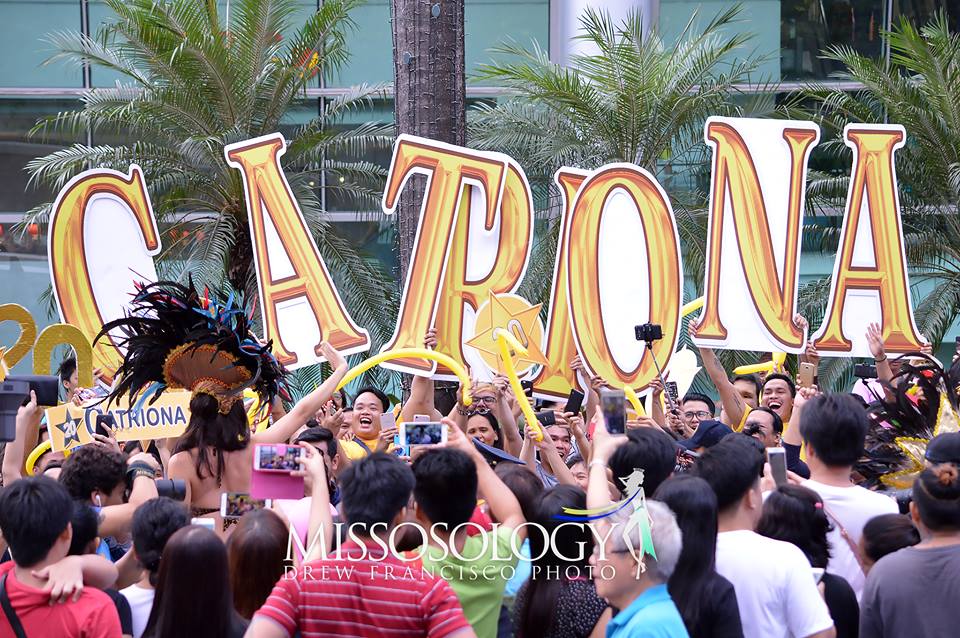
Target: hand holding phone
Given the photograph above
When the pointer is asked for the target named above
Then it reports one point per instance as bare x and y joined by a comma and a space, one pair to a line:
422, 433
612, 404
277, 458
806, 375
574, 402
777, 457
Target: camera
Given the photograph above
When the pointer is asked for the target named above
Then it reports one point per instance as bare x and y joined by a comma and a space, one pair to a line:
865, 371
649, 332
12, 392
172, 488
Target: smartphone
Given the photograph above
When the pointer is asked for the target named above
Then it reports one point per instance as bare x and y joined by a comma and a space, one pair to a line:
277, 458
574, 402
421, 418
527, 388
777, 456
806, 374
547, 418
105, 424
389, 420
236, 504
672, 391
614, 410
422, 433
209, 523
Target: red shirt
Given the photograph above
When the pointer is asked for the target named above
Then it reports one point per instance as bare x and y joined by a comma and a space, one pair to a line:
92, 616
353, 595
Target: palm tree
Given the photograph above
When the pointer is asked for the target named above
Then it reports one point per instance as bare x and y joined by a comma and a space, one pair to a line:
193, 83
920, 89
637, 99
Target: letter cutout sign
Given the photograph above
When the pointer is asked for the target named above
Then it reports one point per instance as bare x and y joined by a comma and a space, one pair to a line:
756, 214
870, 274
301, 306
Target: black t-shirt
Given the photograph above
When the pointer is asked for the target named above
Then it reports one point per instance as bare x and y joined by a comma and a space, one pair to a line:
719, 614
842, 604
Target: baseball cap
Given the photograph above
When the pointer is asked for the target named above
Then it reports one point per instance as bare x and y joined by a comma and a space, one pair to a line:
944, 448
708, 434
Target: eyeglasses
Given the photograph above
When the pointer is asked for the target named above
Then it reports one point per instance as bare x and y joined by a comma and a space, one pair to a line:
702, 414
487, 400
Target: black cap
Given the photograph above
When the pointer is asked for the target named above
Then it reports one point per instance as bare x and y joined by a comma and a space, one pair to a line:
493, 455
708, 434
944, 448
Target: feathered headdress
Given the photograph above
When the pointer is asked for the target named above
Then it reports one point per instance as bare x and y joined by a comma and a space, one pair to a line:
176, 339
922, 402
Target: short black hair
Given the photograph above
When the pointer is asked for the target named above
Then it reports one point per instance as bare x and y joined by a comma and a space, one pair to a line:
696, 396
92, 467
375, 489
887, 533
154, 523
380, 394
525, 485
936, 494
750, 378
783, 377
34, 511
835, 426
777, 421
794, 514
85, 523
436, 472
319, 434
67, 367
731, 467
646, 449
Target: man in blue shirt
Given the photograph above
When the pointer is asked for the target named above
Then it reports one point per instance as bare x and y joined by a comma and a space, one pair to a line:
646, 609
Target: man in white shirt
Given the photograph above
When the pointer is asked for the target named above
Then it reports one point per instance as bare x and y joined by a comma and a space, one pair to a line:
833, 428
776, 592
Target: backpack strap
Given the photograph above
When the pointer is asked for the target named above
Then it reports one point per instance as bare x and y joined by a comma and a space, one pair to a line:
8, 609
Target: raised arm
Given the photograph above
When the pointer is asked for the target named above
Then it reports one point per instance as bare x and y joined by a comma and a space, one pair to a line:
729, 397
604, 444
512, 442
421, 389
884, 371
27, 435
321, 521
115, 520
307, 407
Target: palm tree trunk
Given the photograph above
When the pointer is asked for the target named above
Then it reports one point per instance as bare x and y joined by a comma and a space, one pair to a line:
430, 98
430, 95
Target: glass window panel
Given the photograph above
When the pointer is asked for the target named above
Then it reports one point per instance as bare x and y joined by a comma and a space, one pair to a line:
807, 28
23, 46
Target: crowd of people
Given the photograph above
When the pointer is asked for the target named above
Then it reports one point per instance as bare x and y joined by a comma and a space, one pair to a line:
505, 529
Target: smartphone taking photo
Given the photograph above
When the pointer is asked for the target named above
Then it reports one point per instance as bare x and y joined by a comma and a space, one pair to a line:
777, 457
574, 402
278, 458
422, 433
612, 404
235, 504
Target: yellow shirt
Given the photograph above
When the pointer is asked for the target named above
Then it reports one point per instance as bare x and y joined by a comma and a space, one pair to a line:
355, 451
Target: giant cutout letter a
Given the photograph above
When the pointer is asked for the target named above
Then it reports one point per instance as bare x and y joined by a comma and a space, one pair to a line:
289, 267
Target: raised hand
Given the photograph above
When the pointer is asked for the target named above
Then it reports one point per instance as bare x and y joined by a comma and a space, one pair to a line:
875, 340
430, 339
333, 356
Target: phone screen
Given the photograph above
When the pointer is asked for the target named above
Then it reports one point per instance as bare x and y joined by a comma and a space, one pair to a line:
527, 388
422, 433
574, 402
278, 458
236, 504
614, 410
777, 457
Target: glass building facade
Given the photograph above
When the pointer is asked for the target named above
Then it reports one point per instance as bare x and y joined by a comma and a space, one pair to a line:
791, 33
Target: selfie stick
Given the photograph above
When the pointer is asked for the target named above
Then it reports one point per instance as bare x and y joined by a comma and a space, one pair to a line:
663, 383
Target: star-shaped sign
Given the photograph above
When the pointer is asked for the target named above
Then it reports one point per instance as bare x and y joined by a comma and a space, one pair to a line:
71, 430
516, 315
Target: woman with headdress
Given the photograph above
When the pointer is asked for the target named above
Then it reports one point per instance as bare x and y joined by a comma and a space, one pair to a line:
176, 339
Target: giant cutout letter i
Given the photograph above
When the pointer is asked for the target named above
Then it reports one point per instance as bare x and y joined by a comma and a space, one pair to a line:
871, 262
289, 266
